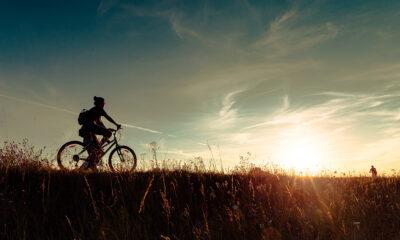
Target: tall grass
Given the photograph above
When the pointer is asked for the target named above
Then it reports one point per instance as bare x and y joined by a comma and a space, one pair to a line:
38, 202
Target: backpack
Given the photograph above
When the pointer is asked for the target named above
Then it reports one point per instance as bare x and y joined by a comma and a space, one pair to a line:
83, 117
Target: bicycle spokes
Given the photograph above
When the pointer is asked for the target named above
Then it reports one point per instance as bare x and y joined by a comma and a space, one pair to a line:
123, 159
72, 156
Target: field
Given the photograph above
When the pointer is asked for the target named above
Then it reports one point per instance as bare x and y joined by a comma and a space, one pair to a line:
37, 202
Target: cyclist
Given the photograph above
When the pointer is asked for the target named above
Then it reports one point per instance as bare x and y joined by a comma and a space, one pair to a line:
92, 126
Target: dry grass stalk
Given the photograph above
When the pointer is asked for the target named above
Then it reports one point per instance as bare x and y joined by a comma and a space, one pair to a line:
142, 203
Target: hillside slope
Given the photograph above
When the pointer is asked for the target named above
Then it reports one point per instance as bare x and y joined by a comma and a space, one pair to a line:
51, 204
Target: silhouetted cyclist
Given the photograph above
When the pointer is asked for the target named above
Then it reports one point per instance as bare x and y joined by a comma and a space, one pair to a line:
92, 126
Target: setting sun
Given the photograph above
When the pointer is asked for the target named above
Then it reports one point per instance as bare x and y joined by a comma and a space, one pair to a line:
301, 149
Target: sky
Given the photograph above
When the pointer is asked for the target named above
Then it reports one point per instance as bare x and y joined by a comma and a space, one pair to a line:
304, 84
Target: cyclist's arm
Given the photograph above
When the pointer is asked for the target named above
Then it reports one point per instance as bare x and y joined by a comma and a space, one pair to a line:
110, 119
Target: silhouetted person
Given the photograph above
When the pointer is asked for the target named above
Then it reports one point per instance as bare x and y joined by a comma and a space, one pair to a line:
92, 126
374, 173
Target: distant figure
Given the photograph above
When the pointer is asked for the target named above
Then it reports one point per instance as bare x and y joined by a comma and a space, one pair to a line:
92, 126
374, 173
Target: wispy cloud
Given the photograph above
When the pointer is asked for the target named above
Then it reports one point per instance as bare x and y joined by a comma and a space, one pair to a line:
379, 73
180, 29
284, 35
277, 116
105, 5
59, 109
341, 106
359, 127
51, 90
286, 104
141, 128
174, 17
228, 112
280, 22
21, 100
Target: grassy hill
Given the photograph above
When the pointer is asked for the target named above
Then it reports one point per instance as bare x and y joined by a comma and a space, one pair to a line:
38, 202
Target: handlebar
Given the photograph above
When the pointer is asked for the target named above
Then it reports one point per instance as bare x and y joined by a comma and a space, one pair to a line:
114, 130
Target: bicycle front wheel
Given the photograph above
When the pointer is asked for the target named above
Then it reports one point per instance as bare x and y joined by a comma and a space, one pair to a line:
122, 158
71, 155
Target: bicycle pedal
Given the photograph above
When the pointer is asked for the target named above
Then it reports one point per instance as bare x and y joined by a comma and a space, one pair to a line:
85, 165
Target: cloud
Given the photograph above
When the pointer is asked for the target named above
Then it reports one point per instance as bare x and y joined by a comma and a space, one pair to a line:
278, 119
381, 73
280, 22
286, 104
179, 28
174, 17
359, 127
105, 6
141, 128
59, 109
21, 100
341, 107
227, 113
285, 36
51, 90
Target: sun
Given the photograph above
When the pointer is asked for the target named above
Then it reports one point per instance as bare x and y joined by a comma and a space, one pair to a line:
301, 149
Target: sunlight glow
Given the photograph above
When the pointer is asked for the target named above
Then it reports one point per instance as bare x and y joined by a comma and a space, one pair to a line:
301, 149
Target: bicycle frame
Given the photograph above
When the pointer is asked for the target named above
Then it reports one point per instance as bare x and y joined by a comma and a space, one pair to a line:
109, 146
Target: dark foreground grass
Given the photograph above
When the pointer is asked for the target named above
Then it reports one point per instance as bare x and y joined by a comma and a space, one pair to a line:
40, 203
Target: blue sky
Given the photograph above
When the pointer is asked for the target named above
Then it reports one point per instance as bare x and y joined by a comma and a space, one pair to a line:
247, 76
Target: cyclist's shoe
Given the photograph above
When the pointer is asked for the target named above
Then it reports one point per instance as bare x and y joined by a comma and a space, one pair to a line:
93, 167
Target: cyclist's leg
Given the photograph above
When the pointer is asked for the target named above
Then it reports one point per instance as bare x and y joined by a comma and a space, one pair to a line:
95, 150
92, 145
88, 142
104, 132
98, 130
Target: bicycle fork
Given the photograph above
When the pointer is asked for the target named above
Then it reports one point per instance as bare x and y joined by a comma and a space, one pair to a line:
121, 156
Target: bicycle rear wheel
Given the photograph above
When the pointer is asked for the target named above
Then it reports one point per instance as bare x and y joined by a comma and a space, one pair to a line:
72, 155
122, 158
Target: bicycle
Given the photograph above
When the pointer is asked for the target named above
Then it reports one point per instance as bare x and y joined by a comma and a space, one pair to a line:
72, 155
